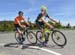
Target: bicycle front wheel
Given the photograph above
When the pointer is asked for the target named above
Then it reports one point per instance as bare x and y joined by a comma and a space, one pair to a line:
59, 38
31, 37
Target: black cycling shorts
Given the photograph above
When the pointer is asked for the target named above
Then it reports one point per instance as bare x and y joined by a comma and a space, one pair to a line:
40, 24
17, 27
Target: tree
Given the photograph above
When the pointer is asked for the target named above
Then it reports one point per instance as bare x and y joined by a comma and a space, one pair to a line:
73, 26
68, 25
6, 26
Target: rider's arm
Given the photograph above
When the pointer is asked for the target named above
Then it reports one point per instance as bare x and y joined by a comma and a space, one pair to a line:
26, 22
45, 21
19, 23
51, 18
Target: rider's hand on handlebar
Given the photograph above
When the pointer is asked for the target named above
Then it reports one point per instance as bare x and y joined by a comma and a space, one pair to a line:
31, 25
23, 26
57, 23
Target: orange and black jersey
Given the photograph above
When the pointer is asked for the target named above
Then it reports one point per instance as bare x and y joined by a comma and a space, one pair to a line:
18, 19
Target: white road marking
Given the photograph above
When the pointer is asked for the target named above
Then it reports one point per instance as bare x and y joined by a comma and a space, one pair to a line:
44, 49
4, 53
49, 51
2, 44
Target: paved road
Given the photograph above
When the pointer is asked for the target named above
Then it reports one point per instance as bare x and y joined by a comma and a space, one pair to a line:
52, 49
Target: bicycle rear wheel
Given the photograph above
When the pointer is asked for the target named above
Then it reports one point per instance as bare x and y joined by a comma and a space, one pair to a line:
58, 38
16, 37
31, 37
19, 39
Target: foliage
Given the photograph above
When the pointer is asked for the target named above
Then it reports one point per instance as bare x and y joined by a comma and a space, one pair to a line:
68, 25
9, 25
6, 26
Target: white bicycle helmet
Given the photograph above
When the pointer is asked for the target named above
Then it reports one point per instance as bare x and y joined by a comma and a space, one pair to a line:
44, 8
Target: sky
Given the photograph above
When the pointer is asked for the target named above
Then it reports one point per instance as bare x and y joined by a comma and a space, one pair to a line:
63, 10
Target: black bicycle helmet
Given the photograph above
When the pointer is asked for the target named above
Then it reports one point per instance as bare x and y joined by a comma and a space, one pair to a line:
20, 12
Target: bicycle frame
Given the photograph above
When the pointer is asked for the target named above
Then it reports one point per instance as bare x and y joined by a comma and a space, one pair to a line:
25, 31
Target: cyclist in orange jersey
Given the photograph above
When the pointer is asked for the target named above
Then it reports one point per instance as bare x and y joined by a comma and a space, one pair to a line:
18, 25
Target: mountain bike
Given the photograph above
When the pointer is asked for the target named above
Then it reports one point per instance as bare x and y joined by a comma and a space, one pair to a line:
31, 37
57, 37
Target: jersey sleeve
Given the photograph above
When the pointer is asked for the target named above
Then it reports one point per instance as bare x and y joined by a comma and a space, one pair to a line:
47, 15
38, 17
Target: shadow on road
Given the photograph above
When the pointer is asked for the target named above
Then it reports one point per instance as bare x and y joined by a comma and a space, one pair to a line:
27, 46
15, 45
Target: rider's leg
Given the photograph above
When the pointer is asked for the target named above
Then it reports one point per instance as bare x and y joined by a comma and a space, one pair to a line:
51, 27
20, 33
40, 26
43, 32
47, 36
20, 36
